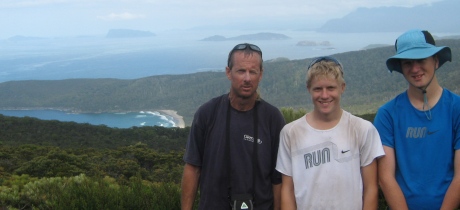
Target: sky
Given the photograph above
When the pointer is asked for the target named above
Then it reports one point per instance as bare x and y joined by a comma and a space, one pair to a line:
62, 18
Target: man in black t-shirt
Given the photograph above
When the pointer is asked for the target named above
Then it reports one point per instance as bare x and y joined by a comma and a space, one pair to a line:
222, 159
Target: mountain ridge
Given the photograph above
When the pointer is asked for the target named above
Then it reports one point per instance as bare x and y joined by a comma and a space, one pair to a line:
438, 16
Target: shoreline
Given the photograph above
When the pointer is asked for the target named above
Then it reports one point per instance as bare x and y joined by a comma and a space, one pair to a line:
179, 120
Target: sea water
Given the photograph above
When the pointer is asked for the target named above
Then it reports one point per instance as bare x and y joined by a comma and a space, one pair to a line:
172, 52
115, 120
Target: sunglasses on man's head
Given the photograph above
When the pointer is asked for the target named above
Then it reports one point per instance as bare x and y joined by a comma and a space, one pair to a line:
243, 47
325, 58
246, 45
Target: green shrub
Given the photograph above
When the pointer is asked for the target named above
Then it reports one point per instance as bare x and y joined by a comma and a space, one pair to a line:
82, 192
290, 114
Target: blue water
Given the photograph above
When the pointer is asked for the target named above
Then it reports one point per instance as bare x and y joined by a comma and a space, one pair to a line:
115, 120
179, 52
174, 52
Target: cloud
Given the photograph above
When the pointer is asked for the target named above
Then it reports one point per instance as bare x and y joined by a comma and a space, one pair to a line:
35, 17
121, 16
29, 3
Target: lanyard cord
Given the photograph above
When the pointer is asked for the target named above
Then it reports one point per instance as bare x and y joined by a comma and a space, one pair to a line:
425, 99
254, 154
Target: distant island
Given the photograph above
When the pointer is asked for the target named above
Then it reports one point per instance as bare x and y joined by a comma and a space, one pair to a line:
257, 36
449, 37
313, 43
372, 46
24, 38
279, 59
128, 33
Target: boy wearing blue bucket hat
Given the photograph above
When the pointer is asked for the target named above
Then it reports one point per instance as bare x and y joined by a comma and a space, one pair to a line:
420, 130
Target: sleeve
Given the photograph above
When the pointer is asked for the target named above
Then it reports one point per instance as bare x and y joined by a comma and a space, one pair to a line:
456, 123
284, 161
371, 145
278, 126
195, 142
383, 122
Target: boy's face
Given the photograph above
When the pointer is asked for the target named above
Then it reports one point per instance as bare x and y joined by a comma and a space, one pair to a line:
419, 72
325, 94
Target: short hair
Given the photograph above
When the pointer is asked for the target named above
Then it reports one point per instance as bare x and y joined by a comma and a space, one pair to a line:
247, 51
324, 68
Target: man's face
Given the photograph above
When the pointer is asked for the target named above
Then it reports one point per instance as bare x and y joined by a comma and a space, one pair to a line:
325, 94
245, 74
419, 72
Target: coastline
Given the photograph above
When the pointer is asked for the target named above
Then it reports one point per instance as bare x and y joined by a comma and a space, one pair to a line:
179, 120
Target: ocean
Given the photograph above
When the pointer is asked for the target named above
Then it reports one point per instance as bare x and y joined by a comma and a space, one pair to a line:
114, 120
172, 52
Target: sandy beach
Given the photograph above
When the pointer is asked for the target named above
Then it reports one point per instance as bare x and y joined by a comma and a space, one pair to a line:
177, 118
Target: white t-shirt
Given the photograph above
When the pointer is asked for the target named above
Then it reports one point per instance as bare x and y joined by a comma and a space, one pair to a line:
325, 165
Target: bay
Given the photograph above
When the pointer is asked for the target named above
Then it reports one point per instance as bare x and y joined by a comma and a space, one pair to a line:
114, 120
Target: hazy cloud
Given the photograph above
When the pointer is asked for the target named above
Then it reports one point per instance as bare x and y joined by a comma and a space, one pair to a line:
60, 17
121, 16
30, 3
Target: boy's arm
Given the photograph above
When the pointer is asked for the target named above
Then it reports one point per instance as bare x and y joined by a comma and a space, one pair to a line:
287, 194
452, 197
370, 185
390, 188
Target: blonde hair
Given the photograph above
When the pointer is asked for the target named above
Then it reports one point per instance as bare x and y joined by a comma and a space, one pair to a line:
324, 69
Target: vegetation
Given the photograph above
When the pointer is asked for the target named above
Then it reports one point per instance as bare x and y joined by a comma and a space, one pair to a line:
369, 85
122, 163
290, 114
83, 192
44, 167
28, 130
47, 164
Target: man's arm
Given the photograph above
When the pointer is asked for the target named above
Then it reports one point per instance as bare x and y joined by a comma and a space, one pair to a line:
390, 188
287, 194
452, 197
370, 185
276, 196
189, 186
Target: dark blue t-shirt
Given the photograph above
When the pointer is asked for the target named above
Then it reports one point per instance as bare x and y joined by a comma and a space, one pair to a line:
206, 147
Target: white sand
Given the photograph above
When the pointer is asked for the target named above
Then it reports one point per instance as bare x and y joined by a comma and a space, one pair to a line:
177, 118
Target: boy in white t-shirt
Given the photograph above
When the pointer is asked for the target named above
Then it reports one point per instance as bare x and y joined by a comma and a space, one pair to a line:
327, 157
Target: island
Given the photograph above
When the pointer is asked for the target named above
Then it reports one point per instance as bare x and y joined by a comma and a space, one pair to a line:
257, 36
313, 43
128, 33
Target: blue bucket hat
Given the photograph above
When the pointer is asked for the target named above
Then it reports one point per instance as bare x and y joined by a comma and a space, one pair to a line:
417, 44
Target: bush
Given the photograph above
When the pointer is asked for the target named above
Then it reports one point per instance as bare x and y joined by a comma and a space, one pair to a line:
82, 192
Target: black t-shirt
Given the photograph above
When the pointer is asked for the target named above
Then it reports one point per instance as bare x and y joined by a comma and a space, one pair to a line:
206, 147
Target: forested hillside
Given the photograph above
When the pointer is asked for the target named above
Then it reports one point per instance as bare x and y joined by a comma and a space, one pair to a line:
16, 131
47, 164
369, 85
